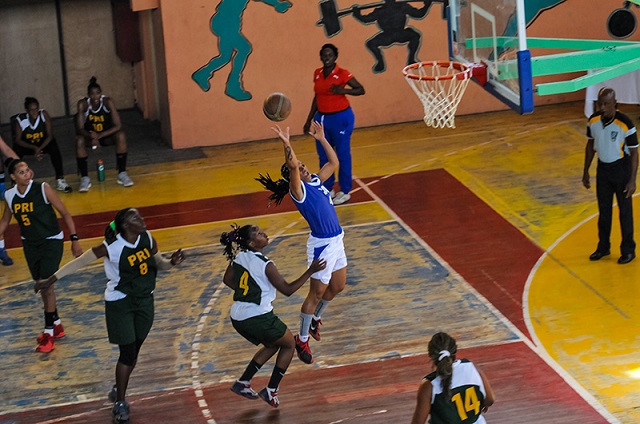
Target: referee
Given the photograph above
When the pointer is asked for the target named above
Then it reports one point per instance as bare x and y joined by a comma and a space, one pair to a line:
613, 135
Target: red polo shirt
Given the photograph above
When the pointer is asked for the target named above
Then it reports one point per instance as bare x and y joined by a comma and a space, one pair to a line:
326, 101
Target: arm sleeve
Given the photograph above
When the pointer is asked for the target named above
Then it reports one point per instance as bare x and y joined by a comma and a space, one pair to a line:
81, 261
162, 263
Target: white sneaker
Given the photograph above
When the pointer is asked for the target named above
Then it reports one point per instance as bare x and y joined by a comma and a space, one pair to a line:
63, 186
341, 198
85, 184
123, 179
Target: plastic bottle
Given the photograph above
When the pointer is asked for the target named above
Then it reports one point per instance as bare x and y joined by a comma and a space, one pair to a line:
100, 170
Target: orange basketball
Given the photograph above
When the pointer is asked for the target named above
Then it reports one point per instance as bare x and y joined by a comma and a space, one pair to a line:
276, 107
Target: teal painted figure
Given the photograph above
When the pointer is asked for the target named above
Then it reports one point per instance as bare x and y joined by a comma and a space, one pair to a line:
532, 9
233, 47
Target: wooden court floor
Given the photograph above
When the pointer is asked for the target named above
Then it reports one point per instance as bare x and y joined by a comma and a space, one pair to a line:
483, 231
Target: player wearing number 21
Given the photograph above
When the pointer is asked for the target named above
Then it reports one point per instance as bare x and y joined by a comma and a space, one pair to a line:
131, 262
456, 392
34, 206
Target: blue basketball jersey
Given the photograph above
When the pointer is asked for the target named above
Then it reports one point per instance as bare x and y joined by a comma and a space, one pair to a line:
317, 209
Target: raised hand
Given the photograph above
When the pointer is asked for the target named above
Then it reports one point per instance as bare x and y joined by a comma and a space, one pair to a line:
317, 130
318, 265
177, 257
44, 284
284, 135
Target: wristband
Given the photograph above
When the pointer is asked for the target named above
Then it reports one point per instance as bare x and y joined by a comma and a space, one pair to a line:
74, 237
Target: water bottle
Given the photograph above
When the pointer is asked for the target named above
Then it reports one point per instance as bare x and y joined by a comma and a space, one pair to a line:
100, 170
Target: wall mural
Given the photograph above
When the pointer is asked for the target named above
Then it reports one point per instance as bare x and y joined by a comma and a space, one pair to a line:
532, 9
390, 16
233, 47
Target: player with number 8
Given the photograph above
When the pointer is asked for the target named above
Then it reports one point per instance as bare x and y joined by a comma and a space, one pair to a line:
131, 262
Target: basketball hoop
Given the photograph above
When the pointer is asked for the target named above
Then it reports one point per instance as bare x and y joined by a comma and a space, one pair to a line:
439, 86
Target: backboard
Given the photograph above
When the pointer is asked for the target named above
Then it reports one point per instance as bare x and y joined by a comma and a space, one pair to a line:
492, 33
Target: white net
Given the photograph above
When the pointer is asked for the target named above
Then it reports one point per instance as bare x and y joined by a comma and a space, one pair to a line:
439, 86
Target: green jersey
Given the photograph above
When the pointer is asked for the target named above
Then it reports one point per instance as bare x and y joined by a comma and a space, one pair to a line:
34, 213
130, 268
466, 398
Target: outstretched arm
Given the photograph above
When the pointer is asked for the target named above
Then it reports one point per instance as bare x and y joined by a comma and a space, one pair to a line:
280, 5
73, 266
288, 289
295, 184
6, 150
317, 131
419, 13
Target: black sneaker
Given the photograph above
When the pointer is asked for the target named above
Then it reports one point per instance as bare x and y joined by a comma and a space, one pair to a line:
113, 394
120, 412
244, 390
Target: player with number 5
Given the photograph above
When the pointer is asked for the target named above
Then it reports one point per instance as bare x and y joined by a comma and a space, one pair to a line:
34, 206
131, 262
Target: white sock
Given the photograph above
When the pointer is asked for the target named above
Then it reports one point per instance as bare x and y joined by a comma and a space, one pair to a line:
57, 322
49, 331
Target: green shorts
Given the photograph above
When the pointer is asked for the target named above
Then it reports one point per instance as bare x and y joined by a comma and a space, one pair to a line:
264, 329
43, 256
129, 319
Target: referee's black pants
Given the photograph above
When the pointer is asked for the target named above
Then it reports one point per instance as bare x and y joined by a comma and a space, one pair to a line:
612, 178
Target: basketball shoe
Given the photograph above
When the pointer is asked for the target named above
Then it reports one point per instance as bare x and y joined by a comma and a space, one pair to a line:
303, 351
120, 412
58, 333
45, 343
244, 390
270, 396
314, 329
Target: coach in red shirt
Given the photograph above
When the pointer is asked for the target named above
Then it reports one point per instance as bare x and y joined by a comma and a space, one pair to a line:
330, 106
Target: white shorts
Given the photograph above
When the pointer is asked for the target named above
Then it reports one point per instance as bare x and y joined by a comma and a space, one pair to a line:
329, 249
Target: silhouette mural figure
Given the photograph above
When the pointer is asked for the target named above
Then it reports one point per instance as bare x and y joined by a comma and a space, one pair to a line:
226, 24
391, 17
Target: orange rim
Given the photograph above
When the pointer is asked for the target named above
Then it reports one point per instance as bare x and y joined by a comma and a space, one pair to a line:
464, 71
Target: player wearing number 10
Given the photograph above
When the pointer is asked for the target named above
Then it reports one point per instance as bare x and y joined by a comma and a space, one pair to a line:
456, 392
131, 264
98, 124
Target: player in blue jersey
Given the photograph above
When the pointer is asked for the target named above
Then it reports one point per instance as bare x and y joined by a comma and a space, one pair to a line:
313, 201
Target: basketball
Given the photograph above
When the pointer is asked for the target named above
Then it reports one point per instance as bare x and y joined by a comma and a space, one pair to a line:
276, 107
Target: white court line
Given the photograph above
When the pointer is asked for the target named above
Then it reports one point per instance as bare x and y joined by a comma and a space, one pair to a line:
540, 351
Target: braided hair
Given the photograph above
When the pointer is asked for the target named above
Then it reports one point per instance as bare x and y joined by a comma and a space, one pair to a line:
442, 351
236, 240
279, 188
115, 227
